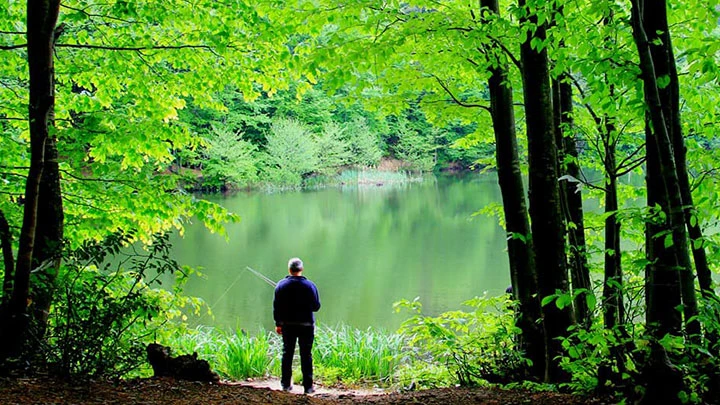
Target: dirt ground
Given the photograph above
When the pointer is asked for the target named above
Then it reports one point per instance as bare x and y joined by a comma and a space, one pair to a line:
170, 391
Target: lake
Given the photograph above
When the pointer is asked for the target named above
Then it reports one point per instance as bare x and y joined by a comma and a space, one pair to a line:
365, 248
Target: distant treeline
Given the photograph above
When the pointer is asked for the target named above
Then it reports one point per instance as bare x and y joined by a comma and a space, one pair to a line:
289, 137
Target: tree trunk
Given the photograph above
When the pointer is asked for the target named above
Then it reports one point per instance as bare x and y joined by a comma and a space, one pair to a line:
578, 264
48, 238
654, 63
545, 214
612, 292
519, 241
680, 151
41, 19
8, 259
663, 285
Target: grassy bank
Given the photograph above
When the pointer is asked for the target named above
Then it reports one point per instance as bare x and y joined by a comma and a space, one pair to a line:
466, 347
341, 354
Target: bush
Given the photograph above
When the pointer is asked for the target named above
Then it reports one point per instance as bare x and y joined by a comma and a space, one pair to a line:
334, 149
364, 144
419, 150
472, 346
228, 159
103, 317
291, 152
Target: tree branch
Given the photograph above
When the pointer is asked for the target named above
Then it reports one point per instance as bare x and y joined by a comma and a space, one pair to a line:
515, 61
10, 47
15, 167
137, 48
109, 17
630, 157
128, 183
697, 180
588, 107
633, 165
588, 183
456, 100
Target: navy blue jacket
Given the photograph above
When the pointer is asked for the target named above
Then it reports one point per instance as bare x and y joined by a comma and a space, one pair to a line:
296, 298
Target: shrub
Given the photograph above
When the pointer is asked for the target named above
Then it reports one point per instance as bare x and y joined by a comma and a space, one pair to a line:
228, 159
334, 149
415, 148
473, 346
104, 315
291, 152
364, 144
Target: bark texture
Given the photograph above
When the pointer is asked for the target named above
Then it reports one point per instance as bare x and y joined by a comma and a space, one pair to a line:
545, 214
41, 20
578, 264
654, 63
519, 241
48, 238
8, 259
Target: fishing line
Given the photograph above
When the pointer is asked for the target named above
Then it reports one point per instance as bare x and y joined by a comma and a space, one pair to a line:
226, 290
257, 273
262, 276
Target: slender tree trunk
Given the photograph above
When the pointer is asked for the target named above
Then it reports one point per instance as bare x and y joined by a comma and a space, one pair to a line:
578, 264
48, 238
680, 152
8, 259
612, 292
663, 285
545, 214
41, 19
519, 241
659, 100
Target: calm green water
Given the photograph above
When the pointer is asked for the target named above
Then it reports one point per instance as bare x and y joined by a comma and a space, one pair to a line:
365, 248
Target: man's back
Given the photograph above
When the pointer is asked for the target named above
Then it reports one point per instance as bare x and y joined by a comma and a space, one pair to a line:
296, 298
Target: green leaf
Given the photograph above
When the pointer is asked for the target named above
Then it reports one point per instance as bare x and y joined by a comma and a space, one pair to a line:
668, 241
663, 81
591, 300
563, 300
548, 300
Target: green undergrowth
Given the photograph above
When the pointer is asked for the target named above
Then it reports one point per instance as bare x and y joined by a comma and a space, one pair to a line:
341, 355
470, 347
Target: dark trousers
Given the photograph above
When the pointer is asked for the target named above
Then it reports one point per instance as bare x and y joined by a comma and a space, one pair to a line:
305, 335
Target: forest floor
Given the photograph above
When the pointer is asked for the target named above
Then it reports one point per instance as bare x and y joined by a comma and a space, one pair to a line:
170, 391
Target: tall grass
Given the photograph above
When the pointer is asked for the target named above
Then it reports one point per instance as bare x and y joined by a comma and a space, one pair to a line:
340, 354
354, 355
246, 356
234, 355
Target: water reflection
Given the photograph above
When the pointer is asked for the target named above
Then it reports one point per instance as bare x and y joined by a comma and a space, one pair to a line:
364, 247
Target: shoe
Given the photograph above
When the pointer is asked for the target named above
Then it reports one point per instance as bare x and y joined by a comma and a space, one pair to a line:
287, 389
309, 390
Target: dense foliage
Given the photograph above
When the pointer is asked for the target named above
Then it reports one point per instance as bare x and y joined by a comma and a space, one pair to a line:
113, 110
283, 139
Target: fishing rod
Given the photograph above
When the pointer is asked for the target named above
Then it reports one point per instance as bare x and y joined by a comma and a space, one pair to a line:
262, 276
255, 272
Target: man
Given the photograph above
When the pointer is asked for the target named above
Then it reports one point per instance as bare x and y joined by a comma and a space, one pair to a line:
296, 298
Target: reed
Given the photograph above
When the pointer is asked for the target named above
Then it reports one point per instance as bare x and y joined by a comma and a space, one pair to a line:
354, 355
234, 355
340, 354
246, 356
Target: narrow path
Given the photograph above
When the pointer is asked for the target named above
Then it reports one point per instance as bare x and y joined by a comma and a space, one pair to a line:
320, 390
